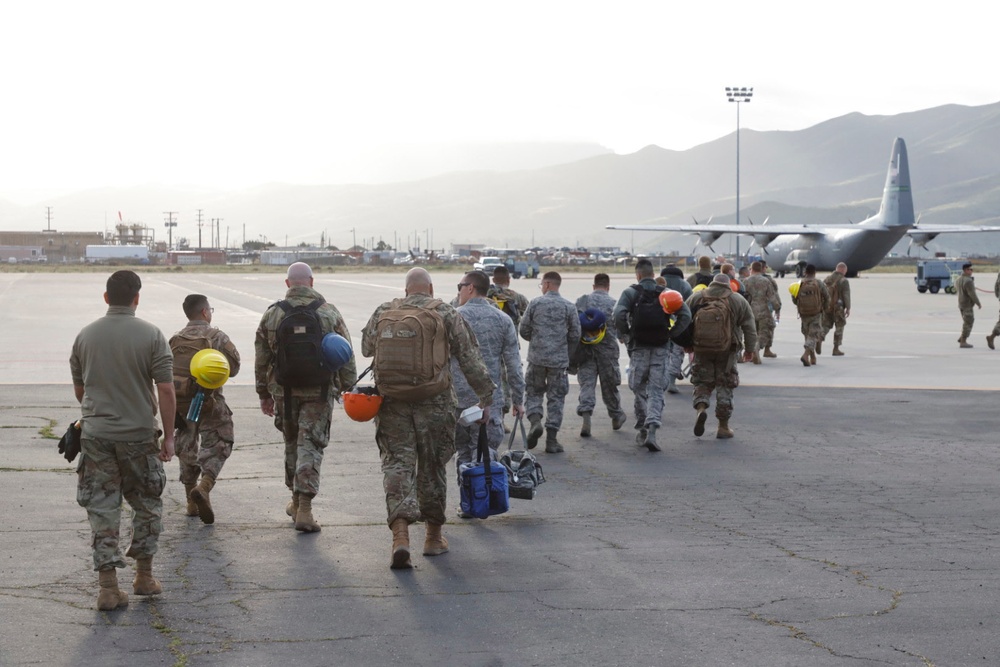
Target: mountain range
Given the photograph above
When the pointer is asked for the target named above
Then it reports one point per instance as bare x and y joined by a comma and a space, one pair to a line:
832, 172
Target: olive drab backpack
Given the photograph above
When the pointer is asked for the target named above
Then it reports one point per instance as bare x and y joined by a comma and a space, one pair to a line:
810, 299
412, 355
650, 323
184, 346
505, 303
713, 325
299, 342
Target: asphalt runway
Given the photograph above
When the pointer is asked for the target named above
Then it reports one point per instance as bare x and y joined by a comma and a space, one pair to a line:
852, 520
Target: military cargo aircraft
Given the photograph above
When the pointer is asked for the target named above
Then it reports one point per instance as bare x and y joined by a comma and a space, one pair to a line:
788, 248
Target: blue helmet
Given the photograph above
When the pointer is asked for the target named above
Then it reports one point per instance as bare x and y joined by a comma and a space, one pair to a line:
336, 351
592, 319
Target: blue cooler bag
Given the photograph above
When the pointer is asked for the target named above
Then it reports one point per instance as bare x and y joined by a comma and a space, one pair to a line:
484, 489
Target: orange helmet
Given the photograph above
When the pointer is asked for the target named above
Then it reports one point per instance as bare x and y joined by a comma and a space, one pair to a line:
671, 301
362, 405
734, 285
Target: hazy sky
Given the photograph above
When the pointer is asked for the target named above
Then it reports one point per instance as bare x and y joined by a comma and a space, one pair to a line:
227, 93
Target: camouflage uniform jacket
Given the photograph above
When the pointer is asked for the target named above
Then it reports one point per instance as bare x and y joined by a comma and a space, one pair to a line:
461, 342
762, 294
966, 288
266, 347
552, 326
498, 344
744, 326
840, 291
218, 340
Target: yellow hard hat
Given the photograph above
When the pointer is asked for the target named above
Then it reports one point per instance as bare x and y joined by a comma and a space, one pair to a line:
793, 289
210, 368
698, 288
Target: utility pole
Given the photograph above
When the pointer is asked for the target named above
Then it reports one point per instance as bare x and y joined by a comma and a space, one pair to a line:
170, 224
48, 218
218, 237
199, 229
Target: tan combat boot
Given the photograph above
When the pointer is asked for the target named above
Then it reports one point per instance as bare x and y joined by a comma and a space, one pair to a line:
805, 358
435, 543
585, 429
110, 596
769, 354
989, 341
293, 505
144, 583
199, 495
837, 352
756, 357
699, 424
724, 430
192, 506
819, 347
963, 343
812, 357
400, 545
304, 520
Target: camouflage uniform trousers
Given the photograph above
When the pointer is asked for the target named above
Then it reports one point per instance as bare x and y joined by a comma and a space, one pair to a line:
601, 364
715, 373
836, 321
109, 470
812, 330
675, 361
203, 447
968, 318
648, 381
467, 439
415, 442
550, 383
307, 431
765, 329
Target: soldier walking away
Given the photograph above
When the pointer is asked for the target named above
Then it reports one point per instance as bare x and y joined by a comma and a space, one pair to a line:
723, 326
498, 345
642, 321
597, 359
513, 304
115, 364
703, 276
551, 326
296, 388
412, 341
765, 303
996, 327
203, 445
838, 310
965, 286
811, 298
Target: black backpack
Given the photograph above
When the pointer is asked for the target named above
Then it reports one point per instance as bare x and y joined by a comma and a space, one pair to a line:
504, 303
650, 324
299, 339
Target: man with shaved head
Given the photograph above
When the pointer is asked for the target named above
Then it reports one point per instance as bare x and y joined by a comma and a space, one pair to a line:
839, 309
301, 404
412, 341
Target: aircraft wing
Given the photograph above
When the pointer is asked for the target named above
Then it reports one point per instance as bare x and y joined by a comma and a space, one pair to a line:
710, 228
921, 235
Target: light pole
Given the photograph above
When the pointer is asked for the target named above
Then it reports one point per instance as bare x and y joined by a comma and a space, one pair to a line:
170, 224
738, 95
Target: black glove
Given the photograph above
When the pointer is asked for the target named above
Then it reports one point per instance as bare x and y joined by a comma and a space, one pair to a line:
69, 444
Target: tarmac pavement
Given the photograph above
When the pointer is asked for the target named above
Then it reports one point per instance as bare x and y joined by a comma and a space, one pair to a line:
852, 520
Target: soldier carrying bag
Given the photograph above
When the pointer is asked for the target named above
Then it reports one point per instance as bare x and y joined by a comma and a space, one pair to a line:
412, 360
810, 299
713, 326
484, 483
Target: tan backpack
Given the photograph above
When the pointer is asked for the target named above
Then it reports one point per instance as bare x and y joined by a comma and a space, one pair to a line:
412, 356
810, 298
713, 326
184, 346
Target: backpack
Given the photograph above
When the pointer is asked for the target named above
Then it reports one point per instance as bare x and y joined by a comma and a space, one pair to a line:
505, 303
299, 339
412, 357
713, 325
184, 347
810, 299
702, 279
650, 324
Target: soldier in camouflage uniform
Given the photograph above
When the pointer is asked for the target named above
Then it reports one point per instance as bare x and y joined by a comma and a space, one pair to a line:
719, 372
996, 327
766, 306
647, 361
839, 309
551, 326
673, 278
115, 363
812, 325
497, 340
302, 414
965, 286
417, 439
600, 361
203, 446
500, 291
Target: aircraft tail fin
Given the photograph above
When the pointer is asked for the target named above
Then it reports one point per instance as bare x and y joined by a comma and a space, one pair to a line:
897, 199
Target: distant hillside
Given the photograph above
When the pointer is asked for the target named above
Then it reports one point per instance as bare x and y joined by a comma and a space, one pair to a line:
831, 172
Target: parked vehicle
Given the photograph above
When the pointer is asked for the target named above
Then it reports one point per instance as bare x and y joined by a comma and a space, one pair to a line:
934, 275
